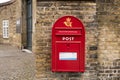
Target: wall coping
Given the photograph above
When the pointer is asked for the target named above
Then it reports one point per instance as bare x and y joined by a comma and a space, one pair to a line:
7, 3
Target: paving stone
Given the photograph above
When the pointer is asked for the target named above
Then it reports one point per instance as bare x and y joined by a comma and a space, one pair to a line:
15, 64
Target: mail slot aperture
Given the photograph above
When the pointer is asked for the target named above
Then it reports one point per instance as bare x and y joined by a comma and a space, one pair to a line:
68, 32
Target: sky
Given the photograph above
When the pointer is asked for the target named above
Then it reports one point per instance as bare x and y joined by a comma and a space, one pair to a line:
2, 1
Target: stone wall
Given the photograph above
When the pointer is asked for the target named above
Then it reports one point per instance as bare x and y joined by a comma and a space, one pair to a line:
24, 25
108, 15
47, 13
102, 25
11, 12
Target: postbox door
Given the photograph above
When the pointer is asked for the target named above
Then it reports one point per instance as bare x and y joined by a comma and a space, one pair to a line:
67, 56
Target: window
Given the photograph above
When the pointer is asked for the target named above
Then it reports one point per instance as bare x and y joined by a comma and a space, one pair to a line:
5, 29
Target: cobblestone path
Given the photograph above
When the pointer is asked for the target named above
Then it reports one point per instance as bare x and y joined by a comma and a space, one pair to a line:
15, 64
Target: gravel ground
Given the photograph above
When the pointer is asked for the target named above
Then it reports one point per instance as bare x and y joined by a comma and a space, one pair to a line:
15, 64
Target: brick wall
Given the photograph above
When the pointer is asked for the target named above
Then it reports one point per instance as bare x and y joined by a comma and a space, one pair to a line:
47, 13
108, 14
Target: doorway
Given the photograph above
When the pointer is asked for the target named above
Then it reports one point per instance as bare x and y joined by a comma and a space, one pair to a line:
29, 24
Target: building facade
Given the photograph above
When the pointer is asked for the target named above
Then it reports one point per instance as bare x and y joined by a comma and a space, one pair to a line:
30, 25
10, 12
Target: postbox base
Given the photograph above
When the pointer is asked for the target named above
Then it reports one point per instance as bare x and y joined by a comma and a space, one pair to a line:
68, 70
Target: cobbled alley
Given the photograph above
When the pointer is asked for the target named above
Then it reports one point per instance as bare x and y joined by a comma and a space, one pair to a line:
15, 64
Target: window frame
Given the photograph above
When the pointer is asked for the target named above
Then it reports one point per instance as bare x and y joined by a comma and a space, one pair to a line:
5, 26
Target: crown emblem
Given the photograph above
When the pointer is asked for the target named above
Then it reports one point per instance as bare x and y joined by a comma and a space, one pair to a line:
68, 22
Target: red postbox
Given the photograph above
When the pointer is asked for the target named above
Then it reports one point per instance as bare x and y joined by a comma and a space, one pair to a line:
68, 45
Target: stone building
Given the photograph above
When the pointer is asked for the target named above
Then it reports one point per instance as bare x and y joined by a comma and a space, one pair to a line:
9, 13
30, 26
